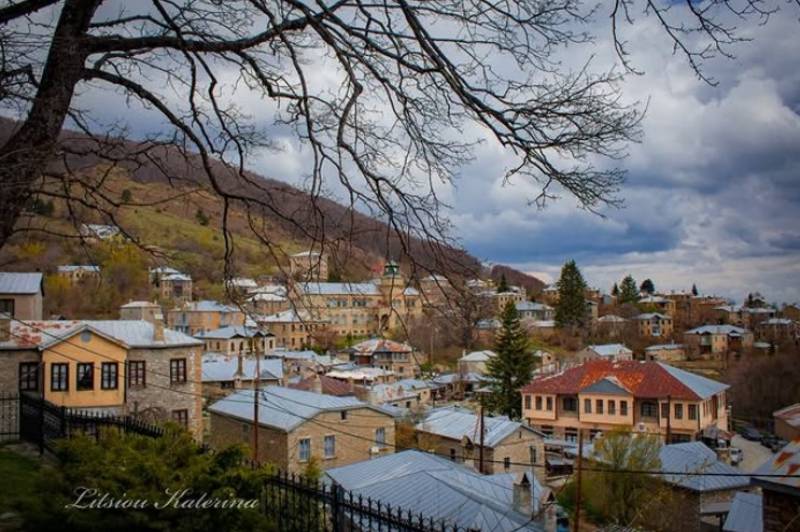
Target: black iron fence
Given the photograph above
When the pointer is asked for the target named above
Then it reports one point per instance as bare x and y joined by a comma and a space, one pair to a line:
294, 502
31, 418
297, 504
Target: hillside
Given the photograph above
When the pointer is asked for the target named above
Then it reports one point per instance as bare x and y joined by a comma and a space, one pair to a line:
179, 219
533, 285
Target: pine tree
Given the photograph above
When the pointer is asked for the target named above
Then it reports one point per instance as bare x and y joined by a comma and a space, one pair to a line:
694, 290
647, 286
502, 286
615, 290
571, 306
513, 366
628, 292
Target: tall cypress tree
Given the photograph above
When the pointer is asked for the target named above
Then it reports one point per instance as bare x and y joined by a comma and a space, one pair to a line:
615, 290
571, 306
628, 292
694, 290
648, 286
513, 366
502, 286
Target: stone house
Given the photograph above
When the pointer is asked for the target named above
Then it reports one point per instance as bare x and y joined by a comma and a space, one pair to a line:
195, 317
21, 295
610, 325
665, 352
360, 309
475, 362
600, 395
654, 324
611, 352
295, 426
716, 341
170, 284
293, 329
535, 311
141, 310
778, 330
79, 273
397, 357
660, 304
116, 366
508, 446
235, 340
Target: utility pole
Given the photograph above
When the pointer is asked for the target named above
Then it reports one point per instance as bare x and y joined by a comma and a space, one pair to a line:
669, 417
579, 466
256, 391
480, 450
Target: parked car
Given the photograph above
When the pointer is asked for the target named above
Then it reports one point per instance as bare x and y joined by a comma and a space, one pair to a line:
750, 433
736, 455
777, 444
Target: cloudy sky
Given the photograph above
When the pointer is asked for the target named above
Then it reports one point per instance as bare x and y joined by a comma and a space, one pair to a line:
712, 194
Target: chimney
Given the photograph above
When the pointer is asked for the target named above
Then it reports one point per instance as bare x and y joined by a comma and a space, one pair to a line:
316, 384
522, 494
240, 365
5, 326
158, 327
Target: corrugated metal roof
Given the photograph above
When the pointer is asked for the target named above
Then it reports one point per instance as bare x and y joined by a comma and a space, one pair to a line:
284, 408
218, 368
380, 345
785, 462
532, 306
363, 289
609, 350
746, 513
20, 283
703, 387
133, 333
695, 457
664, 347
438, 488
651, 315
479, 356
140, 304
231, 331
207, 305
455, 423
78, 267
717, 329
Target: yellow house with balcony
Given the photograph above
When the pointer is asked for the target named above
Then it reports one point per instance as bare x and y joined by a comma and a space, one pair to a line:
650, 397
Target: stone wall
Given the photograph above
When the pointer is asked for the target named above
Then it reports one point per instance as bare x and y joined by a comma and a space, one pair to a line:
159, 398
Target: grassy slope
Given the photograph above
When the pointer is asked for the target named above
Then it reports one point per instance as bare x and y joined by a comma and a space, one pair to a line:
18, 474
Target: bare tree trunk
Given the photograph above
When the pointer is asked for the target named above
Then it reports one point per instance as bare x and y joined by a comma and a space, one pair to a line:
32, 146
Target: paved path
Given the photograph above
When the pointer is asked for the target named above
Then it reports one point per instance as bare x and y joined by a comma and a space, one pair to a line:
754, 454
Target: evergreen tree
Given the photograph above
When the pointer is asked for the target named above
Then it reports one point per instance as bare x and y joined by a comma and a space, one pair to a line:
502, 286
615, 290
647, 286
513, 366
694, 290
628, 292
571, 306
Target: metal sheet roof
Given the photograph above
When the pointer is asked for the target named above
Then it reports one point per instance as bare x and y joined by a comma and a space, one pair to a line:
703, 387
695, 457
785, 462
746, 513
219, 368
455, 423
717, 329
438, 488
207, 305
479, 356
20, 283
609, 350
231, 331
133, 333
78, 267
284, 408
363, 289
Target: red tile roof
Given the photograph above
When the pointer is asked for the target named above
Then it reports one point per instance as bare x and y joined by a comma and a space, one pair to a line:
330, 386
643, 379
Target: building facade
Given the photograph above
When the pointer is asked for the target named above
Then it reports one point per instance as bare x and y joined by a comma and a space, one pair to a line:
21, 295
648, 397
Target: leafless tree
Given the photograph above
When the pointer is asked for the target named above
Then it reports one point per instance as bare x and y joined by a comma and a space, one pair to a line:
412, 78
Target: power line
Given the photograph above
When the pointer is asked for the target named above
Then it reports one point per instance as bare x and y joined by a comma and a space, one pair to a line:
335, 429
